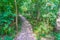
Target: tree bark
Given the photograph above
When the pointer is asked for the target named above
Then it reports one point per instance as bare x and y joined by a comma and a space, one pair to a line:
16, 15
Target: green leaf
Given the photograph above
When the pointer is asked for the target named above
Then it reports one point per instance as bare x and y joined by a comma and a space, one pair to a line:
8, 38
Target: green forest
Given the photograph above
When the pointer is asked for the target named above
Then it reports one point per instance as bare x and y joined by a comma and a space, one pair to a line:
41, 14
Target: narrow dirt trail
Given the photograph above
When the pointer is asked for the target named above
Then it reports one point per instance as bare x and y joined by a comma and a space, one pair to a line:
26, 31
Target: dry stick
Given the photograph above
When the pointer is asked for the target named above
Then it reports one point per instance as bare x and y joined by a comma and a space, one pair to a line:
16, 15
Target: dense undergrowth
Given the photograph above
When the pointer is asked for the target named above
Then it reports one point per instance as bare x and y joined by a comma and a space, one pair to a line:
41, 14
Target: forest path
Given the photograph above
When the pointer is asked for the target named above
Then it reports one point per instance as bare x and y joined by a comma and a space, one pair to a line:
26, 31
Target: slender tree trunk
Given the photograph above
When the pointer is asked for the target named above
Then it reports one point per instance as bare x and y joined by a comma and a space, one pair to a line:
16, 15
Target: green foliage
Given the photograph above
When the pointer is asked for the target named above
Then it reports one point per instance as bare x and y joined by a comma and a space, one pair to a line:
41, 14
47, 11
0, 38
57, 36
8, 38
6, 17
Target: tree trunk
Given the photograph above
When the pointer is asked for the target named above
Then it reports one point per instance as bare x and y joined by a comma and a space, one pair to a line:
16, 15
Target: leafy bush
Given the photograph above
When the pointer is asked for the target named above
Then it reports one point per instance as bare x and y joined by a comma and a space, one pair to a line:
45, 10
6, 17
